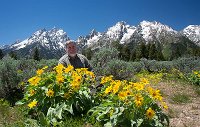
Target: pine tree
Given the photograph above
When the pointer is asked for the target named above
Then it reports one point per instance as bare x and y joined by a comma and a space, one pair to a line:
138, 54
125, 53
13, 55
36, 54
88, 53
152, 52
133, 55
1, 54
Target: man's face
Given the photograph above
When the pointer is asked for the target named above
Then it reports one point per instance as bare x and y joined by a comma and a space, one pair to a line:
71, 49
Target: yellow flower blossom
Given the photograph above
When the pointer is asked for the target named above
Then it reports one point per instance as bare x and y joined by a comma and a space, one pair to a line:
156, 94
32, 92
138, 100
32, 104
150, 113
59, 68
45, 67
106, 79
59, 78
138, 86
34, 80
40, 71
144, 80
50, 93
164, 105
116, 85
122, 95
68, 69
108, 89
196, 72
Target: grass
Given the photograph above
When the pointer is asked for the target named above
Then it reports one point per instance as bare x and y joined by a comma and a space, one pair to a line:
15, 117
180, 98
10, 116
197, 90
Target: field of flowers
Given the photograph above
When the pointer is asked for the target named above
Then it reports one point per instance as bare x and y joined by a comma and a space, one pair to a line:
117, 94
55, 94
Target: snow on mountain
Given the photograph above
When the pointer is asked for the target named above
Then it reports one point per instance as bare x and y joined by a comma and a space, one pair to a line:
193, 33
150, 30
52, 39
94, 36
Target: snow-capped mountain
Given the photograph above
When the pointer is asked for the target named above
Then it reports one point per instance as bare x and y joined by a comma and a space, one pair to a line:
155, 30
146, 31
50, 43
193, 33
4, 46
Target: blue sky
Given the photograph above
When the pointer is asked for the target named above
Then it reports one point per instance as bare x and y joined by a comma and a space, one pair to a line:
19, 19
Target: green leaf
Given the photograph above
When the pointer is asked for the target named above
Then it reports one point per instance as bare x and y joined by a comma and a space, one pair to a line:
108, 124
43, 120
19, 103
69, 109
59, 109
50, 113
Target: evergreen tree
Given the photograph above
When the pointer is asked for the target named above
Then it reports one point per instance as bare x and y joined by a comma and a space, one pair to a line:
152, 52
133, 55
88, 53
1, 54
13, 55
138, 54
160, 55
36, 54
125, 53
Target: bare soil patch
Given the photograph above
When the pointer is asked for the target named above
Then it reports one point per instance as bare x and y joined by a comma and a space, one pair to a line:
186, 114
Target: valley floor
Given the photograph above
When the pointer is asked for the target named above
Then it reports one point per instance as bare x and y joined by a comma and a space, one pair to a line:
183, 101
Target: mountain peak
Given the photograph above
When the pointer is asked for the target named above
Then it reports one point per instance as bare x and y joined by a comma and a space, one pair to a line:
193, 33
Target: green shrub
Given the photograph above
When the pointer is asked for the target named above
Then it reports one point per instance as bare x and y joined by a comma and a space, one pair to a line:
194, 77
101, 58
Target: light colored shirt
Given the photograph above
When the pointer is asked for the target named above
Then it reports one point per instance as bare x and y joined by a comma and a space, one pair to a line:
79, 61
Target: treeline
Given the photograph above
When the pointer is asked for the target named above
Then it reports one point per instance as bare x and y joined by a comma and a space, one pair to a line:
13, 54
150, 51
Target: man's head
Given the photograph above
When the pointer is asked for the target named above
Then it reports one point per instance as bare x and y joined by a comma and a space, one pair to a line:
71, 48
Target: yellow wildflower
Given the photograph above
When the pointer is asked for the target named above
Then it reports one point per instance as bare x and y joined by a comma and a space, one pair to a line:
138, 100
34, 80
196, 72
68, 69
108, 90
116, 86
45, 67
59, 68
59, 78
144, 80
32, 104
40, 71
156, 94
150, 113
122, 95
106, 79
32, 92
50, 93
164, 105
138, 86
138, 103
75, 85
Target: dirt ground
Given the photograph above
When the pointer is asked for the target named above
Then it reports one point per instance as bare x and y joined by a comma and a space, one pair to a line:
185, 114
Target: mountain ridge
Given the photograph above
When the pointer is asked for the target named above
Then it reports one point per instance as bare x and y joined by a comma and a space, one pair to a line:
53, 40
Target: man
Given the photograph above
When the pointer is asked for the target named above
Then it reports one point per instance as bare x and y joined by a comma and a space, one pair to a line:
73, 58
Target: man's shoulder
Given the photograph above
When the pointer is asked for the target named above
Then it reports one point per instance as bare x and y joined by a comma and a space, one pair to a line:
64, 57
81, 56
